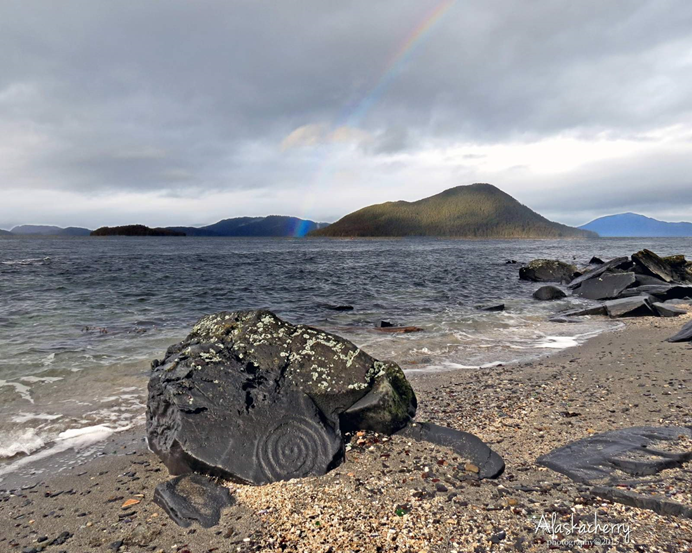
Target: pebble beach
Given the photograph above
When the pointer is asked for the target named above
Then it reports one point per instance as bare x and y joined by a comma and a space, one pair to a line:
394, 494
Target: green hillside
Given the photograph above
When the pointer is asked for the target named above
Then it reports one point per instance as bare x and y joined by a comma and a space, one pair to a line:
474, 211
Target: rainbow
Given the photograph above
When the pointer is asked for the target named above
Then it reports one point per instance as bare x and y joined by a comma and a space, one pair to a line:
396, 63
353, 115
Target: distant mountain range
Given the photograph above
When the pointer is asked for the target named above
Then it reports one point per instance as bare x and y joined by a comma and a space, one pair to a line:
273, 225
636, 226
473, 211
49, 230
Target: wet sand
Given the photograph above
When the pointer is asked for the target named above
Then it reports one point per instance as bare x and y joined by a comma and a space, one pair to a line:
397, 495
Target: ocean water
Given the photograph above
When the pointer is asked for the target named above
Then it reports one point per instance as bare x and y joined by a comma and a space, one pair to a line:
82, 318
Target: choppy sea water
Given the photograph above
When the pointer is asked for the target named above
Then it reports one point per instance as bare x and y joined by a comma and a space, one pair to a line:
81, 318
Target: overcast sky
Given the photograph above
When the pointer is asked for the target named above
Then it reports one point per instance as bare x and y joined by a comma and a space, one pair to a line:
178, 112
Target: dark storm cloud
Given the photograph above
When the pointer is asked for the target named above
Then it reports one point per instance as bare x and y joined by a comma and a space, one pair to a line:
187, 98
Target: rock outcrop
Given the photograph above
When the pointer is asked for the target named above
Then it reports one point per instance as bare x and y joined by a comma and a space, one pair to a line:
254, 399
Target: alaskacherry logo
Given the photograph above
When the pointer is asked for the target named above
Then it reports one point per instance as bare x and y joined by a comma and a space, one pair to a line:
582, 532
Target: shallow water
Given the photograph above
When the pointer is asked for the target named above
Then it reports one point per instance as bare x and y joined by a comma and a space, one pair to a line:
81, 318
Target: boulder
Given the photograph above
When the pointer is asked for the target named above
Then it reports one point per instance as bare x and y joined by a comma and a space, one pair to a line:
467, 446
629, 307
619, 263
384, 324
664, 310
491, 307
596, 261
336, 307
254, 399
648, 263
192, 498
547, 270
606, 286
685, 334
548, 293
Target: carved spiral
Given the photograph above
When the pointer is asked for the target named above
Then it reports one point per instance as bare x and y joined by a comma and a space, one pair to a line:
291, 449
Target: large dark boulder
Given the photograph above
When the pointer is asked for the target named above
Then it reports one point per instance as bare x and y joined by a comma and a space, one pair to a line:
547, 270
606, 286
549, 293
252, 398
617, 264
587, 311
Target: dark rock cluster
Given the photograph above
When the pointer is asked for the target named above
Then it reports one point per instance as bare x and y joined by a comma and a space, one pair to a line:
644, 284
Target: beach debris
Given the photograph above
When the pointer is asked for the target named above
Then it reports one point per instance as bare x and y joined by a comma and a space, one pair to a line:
620, 458
547, 270
193, 498
130, 503
685, 334
483, 460
606, 286
254, 399
549, 293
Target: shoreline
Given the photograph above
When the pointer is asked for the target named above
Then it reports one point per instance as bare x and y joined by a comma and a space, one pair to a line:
624, 377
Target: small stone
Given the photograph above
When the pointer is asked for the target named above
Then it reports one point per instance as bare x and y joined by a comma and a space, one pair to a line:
130, 503
470, 467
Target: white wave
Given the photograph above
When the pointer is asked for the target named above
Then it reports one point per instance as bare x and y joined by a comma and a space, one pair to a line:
21, 389
29, 261
20, 441
74, 438
25, 417
34, 379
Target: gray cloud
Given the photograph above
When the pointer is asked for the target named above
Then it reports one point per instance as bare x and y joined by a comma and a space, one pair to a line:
180, 100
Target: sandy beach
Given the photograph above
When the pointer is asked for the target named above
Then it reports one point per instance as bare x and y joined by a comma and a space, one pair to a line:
396, 495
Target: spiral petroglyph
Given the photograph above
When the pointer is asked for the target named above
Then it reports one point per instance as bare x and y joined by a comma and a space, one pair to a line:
292, 449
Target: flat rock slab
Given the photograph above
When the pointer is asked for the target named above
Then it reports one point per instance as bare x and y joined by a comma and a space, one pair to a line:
491, 307
468, 446
630, 450
617, 263
627, 458
685, 334
606, 286
596, 310
651, 264
630, 307
192, 498
665, 310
